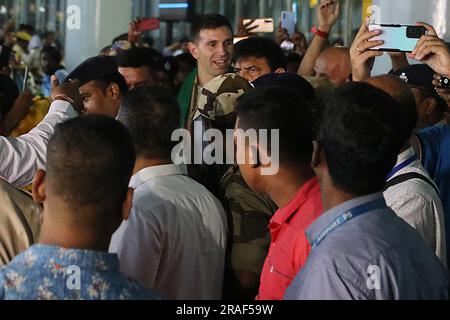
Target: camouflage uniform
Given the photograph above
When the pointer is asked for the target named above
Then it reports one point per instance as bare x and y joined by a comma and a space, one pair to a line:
214, 108
249, 216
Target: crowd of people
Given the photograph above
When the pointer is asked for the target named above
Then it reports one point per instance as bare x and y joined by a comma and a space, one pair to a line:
358, 209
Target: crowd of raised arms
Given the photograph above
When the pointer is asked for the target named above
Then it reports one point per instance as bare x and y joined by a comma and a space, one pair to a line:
94, 203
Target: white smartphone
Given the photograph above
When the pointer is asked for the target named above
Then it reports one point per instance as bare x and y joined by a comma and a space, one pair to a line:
397, 38
263, 25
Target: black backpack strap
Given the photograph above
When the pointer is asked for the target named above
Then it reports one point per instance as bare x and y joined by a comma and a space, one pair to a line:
410, 176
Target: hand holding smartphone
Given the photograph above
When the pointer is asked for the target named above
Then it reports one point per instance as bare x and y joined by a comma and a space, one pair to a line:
397, 38
149, 24
264, 25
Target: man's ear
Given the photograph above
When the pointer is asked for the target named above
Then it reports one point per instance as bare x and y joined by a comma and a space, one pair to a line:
127, 204
430, 105
280, 70
317, 156
114, 91
193, 49
254, 152
38, 188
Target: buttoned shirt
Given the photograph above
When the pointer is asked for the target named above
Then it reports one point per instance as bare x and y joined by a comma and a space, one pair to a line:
289, 247
418, 203
54, 273
375, 255
21, 157
174, 240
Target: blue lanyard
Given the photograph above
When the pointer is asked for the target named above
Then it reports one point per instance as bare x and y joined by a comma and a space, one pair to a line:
401, 166
379, 203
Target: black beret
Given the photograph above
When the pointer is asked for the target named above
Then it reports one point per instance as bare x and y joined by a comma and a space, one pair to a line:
417, 75
420, 76
93, 69
287, 80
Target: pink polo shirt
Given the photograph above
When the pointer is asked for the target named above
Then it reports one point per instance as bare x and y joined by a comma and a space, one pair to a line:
289, 248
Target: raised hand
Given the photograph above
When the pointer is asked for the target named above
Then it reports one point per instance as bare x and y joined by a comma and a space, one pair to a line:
327, 15
360, 54
432, 51
68, 91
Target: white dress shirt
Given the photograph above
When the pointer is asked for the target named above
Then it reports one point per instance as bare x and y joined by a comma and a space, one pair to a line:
417, 202
175, 238
21, 157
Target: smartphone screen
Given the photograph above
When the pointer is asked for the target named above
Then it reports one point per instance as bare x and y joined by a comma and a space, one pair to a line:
288, 21
149, 24
397, 38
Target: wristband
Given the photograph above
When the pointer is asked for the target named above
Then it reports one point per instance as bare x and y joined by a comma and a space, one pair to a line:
64, 98
319, 33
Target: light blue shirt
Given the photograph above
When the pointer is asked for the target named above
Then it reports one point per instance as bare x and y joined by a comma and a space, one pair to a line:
50, 273
374, 256
435, 145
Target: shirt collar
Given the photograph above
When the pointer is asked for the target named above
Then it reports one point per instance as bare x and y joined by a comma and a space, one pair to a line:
149, 173
331, 215
99, 261
405, 155
305, 192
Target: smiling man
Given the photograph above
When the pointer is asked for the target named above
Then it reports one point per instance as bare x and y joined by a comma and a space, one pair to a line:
211, 44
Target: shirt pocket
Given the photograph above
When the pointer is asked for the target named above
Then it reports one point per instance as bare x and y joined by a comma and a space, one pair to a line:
280, 265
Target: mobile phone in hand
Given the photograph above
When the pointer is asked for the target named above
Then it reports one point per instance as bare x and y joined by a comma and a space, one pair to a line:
149, 24
264, 25
397, 38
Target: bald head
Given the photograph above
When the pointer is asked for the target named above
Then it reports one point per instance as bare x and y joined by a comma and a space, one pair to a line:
393, 86
401, 93
334, 65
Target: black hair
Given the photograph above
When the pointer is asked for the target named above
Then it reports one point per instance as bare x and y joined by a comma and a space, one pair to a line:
186, 60
139, 57
122, 37
208, 22
148, 40
257, 47
168, 65
408, 109
293, 57
9, 92
281, 108
361, 133
89, 163
53, 53
27, 28
151, 114
104, 82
